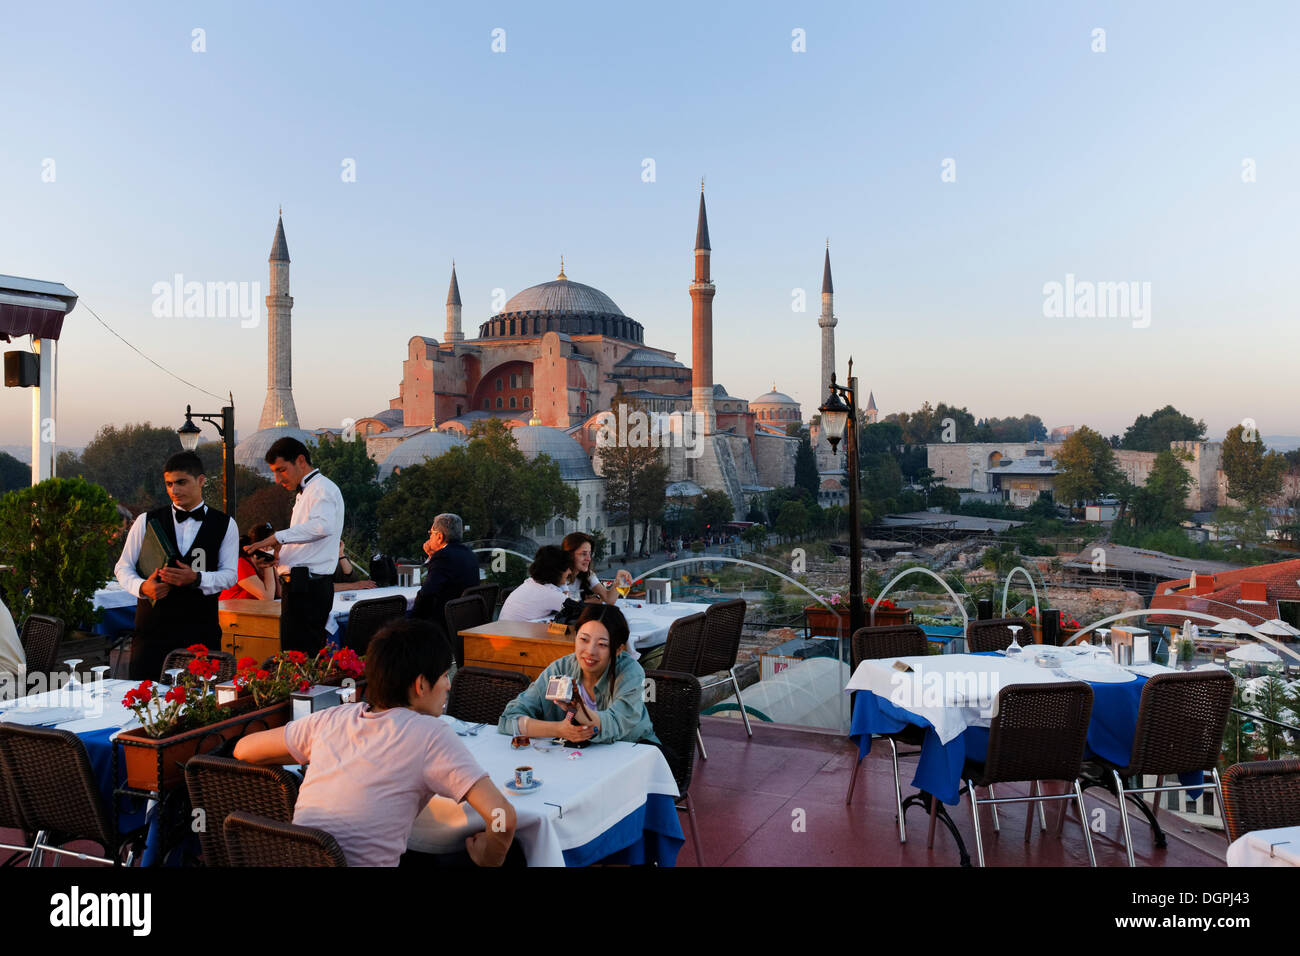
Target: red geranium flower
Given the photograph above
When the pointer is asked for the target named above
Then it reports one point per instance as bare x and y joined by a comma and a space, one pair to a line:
176, 695
304, 685
295, 657
262, 675
200, 650
246, 663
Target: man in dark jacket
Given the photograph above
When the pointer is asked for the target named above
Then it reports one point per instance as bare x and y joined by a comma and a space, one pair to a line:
451, 569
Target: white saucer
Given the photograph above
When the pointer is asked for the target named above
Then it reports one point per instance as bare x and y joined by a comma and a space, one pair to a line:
521, 791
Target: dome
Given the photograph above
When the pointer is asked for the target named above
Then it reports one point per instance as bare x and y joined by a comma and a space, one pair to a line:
417, 449
534, 440
251, 452
774, 398
562, 296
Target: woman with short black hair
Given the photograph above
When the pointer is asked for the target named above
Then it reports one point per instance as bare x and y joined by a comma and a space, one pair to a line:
541, 595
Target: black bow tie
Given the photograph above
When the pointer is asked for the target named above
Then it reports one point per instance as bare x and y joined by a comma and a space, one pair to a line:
196, 514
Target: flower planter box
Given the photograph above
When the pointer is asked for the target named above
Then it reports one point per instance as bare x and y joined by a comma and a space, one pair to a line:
824, 623
156, 763
1066, 633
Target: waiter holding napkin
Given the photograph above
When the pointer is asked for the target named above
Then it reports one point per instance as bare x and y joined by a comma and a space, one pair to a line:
176, 561
307, 551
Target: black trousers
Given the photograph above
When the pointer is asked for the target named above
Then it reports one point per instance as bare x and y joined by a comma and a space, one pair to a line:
303, 616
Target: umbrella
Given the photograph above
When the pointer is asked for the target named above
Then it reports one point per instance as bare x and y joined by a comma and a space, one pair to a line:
1233, 626
1278, 628
1253, 653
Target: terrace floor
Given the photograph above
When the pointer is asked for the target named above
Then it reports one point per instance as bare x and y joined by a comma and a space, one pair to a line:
748, 792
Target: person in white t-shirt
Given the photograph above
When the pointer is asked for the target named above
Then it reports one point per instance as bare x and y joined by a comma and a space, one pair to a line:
374, 766
584, 585
541, 595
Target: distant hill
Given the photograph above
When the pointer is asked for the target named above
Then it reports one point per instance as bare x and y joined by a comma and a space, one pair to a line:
24, 452
1282, 442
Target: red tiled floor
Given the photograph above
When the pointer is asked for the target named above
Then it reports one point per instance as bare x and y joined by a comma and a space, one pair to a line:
777, 799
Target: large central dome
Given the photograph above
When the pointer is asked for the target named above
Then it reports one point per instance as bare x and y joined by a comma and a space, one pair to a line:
562, 296
563, 306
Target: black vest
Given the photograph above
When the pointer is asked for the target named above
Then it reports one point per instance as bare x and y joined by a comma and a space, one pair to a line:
186, 613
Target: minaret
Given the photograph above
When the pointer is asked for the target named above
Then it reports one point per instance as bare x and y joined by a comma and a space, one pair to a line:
702, 291
827, 322
278, 409
454, 333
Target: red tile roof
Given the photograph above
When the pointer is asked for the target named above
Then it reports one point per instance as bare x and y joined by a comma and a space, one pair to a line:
1220, 594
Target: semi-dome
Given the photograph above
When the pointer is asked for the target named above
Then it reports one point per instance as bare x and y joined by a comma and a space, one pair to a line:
534, 440
251, 451
418, 449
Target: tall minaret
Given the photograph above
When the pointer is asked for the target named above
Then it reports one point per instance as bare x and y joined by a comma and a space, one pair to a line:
454, 333
279, 409
827, 322
702, 291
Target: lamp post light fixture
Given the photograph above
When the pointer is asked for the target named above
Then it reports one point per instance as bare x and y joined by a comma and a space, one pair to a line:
224, 422
840, 421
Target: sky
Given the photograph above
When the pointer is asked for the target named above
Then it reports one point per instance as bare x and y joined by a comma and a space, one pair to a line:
960, 157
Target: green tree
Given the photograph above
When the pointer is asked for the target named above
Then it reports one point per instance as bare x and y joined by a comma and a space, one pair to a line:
1254, 477
59, 536
268, 504
247, 481
347, 465
792, 521
1154, 432
714, 508
1159, 503
1088, 469
755, 536
1023, 429
128, 463
927, 424
67, 464
13, 473
805, 466
636, 476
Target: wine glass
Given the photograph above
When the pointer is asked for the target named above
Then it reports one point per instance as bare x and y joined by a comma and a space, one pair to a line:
1014, 649
1101, 651
101, 675
172, 674
72, 663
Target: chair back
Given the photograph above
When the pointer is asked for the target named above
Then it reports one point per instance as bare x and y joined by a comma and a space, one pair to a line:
1261, 795
41, 638
895, 640
682, 649
479, 695
673, 702
1038, 732
257, 841
181, 658
722, 626
1180, 722
462, 614
53, 785
994, 634
219, 786
367, 617
489, 593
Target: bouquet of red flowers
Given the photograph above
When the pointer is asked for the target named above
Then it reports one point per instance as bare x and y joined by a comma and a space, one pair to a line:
190, 703
292, 671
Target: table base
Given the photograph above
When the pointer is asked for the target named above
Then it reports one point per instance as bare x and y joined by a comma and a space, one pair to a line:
923, 800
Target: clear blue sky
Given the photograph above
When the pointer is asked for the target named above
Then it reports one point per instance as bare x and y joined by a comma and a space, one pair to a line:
1116, 166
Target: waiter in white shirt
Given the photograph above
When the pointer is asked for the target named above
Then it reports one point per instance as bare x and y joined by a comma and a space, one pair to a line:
308, 550
177, 606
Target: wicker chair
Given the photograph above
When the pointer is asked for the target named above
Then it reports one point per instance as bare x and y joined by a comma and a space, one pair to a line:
462, 614
674, 708
993, 635
56, 791
11, 818
876, 643
718, 648
682, 653
1180, 724
489, 593
181, 658
1261, 795
479, 695
257, 841
219, 786
41, 638
1039, 733
367, 617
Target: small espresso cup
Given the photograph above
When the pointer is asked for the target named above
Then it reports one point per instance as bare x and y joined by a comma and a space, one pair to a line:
523, 777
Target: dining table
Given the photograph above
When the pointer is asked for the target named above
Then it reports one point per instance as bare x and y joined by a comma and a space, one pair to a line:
609, 803
1279, 846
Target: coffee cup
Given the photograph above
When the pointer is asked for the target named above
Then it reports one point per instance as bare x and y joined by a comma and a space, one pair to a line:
523, 778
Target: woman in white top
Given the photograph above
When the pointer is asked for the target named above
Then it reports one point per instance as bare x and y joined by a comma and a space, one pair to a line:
542, 593
585, 585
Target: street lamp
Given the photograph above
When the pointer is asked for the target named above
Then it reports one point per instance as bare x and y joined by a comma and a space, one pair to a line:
224, 422
840, 421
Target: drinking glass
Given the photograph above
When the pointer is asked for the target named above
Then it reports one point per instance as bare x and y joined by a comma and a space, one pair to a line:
72, 663
173, 673
101, 674
1014, 649
1101, 652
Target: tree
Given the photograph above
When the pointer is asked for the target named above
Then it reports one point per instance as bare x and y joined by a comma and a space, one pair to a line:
1159, 503
793, 520
927, 425
1088, 470
269, 504
247, 481
1026, 428
347, 465
1154, 432
68, 465
714, 508
1253, 476
636, 476
60, 537
805, 466
755, 536
13, 473
128, 463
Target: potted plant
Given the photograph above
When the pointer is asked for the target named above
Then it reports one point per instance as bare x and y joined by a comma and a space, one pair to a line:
184, 721
1069, 626
835, 621
294, 671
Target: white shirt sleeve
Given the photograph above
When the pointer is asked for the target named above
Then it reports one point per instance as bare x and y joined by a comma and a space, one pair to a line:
324, 517
227, 573
125, 571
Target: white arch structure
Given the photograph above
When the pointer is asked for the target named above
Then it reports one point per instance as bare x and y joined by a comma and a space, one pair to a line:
965, 618
1006, 586
1124, 615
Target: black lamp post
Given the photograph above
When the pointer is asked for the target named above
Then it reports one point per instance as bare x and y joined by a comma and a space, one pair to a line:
840, 420
224, 422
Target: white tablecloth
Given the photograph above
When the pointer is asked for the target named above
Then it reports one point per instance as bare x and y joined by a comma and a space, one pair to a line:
1278, 847
82, 705
112, 596
648, 624
580, 798
343, 601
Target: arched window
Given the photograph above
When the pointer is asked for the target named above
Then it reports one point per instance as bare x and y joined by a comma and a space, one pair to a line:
514, 381
588, 502
498, 401
498, 385
487, 404
512, 401
528, 402
559, 528
587, 526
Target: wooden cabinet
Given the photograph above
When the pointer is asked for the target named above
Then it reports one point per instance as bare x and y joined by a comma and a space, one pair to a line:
250, 628
514, 646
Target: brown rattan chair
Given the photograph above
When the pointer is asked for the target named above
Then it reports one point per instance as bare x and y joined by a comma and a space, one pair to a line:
682, 652
479, 695
1180, 724
1039, 733
876, 643
181, 658
11, 818
993, 634
56, 792
723, 623
219, 786
257, 841
673, 702
462, 614
489, 593
1261, 795
41, 638
367, 617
